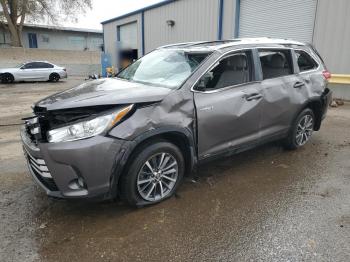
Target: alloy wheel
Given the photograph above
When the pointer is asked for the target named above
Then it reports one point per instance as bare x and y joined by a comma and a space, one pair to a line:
7, 79
157, 177
304, 130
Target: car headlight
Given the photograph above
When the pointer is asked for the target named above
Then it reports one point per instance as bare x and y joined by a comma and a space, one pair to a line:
87, 128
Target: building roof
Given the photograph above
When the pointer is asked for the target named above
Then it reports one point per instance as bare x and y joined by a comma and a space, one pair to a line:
165, 2
61, 28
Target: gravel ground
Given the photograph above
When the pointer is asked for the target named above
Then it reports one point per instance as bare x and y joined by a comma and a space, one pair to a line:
266, 204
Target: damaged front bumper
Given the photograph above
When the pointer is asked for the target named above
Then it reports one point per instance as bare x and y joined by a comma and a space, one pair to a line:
86, 168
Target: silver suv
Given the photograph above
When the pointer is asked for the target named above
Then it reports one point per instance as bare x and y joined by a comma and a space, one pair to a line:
136, 136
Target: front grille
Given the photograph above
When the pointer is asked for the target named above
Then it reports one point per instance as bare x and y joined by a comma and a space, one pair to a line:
41, 172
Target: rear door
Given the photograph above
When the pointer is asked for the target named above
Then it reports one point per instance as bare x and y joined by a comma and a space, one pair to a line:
281, 89
228, 104
44, 70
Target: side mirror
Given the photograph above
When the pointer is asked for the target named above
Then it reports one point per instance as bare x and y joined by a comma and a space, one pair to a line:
203, 82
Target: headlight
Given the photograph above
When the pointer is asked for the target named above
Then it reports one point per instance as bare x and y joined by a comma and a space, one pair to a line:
87, 128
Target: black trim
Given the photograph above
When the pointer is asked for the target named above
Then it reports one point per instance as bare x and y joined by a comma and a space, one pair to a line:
245, 147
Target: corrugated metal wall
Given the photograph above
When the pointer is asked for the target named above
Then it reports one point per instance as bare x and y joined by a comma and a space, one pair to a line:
332, 34
110, 35
228, 29
194, 20
198, 20
292, 19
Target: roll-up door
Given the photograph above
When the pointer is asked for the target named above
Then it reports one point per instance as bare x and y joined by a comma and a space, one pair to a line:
293, 19
127, 35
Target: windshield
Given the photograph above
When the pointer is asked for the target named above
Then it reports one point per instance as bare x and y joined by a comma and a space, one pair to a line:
19, 65
167, 68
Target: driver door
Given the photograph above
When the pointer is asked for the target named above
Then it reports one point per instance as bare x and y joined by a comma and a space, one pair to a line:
228, 104
29, 71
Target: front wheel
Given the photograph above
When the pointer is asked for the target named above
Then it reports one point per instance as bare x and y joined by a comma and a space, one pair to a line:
154, 174
7, 78
301, 130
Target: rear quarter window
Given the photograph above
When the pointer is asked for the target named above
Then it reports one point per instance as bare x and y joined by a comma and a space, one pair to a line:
305, 61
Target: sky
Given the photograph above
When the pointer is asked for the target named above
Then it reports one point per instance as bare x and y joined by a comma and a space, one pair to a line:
105, 9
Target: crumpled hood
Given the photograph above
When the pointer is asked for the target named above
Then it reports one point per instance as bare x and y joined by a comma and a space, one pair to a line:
108, 91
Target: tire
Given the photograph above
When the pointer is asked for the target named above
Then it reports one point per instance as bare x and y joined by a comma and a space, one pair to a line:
139, 186
301, 130
54, 77
7, 78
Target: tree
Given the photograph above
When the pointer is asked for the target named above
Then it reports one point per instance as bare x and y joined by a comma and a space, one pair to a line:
15, 12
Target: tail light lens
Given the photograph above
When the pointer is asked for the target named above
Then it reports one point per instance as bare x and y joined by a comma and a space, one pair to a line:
326, 74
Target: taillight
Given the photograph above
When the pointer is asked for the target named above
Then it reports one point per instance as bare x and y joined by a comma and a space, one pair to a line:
326, 74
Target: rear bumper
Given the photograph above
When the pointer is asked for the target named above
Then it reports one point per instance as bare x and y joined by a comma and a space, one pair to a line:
57, 167
63, 74
326, 99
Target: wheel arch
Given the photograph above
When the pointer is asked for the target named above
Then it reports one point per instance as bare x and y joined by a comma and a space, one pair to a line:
181, 137
315, 105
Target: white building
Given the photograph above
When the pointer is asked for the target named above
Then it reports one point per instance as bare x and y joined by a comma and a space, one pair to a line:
56, 38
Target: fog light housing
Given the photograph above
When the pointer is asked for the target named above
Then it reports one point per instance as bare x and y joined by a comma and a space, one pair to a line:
78, 183
81, 182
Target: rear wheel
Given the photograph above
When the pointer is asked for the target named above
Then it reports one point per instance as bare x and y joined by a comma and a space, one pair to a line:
54, 77
154, 174
7, 78
301, 130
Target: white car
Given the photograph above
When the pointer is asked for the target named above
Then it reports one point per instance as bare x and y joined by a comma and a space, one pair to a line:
33, 71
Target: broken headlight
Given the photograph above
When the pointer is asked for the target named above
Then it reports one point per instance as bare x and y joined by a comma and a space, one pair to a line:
88, 128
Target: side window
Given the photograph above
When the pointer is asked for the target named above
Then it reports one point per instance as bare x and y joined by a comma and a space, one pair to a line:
33, 65
45, 65
232, 70
28, 66
275, 63
305, 61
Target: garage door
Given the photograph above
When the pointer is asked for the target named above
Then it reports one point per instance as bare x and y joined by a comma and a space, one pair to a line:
127, 36
292, 19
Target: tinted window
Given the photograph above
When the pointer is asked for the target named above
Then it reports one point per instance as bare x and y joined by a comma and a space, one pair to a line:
29, 66
305, 61
232, 70
35, 65
275, 63
44, 65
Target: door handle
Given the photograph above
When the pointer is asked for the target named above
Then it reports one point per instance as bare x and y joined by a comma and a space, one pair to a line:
254, 96
299, 84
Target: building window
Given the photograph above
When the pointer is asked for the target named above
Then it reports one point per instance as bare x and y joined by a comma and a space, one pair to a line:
77, 41
45, 38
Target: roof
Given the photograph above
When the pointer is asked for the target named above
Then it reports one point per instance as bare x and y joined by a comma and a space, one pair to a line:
61, 28
216, 45
164, 2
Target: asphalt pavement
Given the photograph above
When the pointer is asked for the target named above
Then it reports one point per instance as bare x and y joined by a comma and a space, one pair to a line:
266, 204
